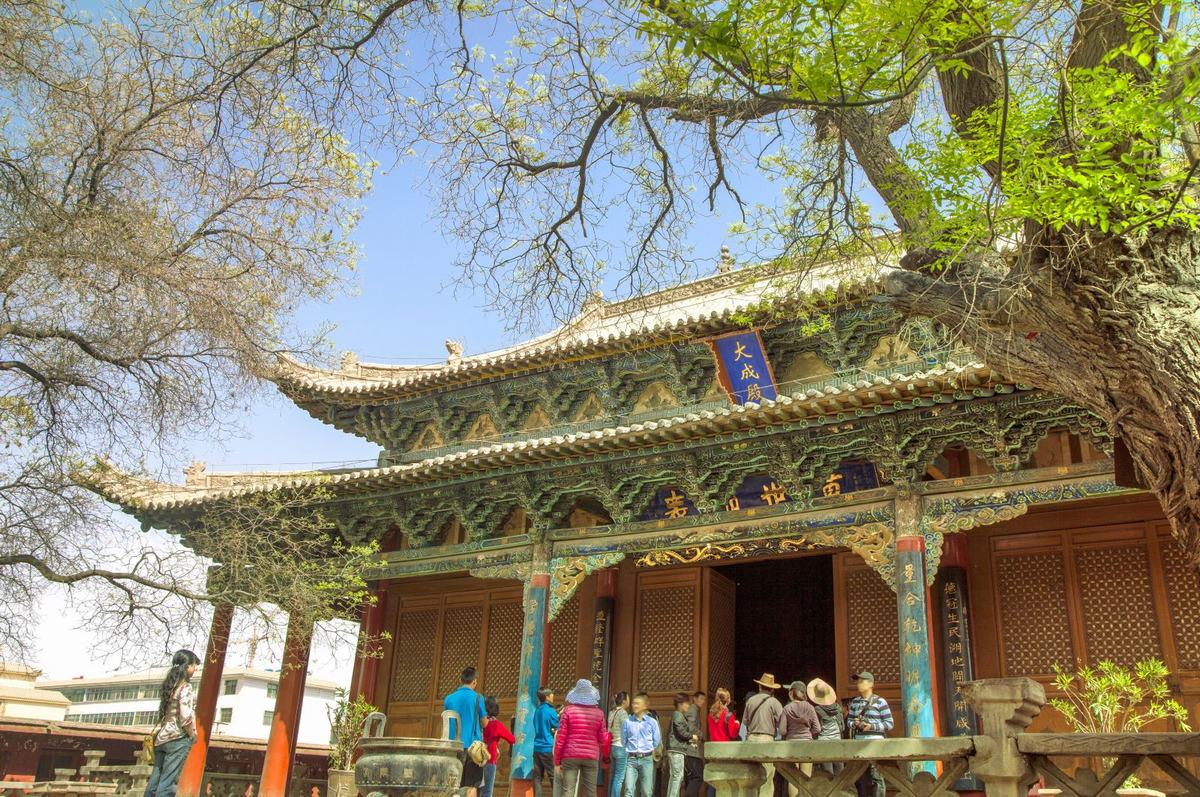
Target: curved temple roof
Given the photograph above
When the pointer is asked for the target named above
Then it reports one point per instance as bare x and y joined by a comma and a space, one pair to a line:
835, 403
691, 310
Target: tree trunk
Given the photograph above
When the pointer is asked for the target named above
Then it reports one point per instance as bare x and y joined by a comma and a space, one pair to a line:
1112, 323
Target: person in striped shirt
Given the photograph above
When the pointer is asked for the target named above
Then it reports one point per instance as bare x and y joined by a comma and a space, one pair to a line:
869, 717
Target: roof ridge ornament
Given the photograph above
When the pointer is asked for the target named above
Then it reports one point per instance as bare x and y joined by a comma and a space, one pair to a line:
725, 265
454, 351
349, 362
195, 475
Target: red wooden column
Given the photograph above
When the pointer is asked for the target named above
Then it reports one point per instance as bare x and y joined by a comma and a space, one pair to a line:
285, 724
192, 775
366, 667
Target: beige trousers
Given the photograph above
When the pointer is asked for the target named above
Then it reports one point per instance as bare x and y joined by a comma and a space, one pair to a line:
768, 787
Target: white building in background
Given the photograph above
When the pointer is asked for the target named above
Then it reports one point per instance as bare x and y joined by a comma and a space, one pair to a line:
244, 708
19, 697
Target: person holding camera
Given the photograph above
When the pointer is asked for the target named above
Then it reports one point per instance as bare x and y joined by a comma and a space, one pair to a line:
869, 717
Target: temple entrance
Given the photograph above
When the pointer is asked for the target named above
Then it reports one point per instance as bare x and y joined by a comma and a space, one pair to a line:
784, 621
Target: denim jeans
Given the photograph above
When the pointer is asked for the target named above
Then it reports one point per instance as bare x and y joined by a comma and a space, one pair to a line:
489, 780
675, 762
639, 776
616, 772
168, 764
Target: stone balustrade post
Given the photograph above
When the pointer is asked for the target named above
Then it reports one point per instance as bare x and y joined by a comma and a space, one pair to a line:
735, 778
1005, 706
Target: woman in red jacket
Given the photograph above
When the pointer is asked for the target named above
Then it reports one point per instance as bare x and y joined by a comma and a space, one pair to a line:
580, 742
494, 732
722, 721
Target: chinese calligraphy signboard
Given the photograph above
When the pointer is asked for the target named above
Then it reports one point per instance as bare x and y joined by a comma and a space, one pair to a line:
743, 368
956, 659
602, 645
916, 683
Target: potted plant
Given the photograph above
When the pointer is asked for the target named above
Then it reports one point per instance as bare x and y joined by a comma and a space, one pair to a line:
346, 718
1109, 698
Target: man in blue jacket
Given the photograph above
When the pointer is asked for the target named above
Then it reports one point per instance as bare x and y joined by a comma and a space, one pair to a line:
545, 724
466, 702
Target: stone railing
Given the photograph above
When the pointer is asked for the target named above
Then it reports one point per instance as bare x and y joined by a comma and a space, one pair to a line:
1006, 759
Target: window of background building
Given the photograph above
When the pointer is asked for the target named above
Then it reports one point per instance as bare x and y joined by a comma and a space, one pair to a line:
267, 717
272, 690
231, 686
226, 715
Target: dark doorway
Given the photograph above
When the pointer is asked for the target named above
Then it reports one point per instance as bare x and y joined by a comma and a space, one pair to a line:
784, 621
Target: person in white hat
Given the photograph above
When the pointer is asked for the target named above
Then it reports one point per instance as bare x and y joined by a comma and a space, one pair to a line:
760, 718
829, 713
580, 742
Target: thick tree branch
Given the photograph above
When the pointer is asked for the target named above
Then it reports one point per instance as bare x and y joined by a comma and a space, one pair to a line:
114, 577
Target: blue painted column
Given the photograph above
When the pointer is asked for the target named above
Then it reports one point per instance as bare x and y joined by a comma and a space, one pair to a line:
529, 678
916, 676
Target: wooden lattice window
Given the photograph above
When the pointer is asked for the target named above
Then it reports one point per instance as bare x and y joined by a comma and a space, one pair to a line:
873, 636
416, 637
1032, 597
667, 636
1118, 604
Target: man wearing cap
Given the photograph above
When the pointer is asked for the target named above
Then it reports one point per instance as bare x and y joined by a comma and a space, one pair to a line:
869, 717
829, 714
760, 718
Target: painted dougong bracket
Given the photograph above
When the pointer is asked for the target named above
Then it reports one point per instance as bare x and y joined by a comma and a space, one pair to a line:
568, 573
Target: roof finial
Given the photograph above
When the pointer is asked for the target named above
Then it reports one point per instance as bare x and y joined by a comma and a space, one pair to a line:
193, 475
593, 300
726, 264
349, 361
454, 350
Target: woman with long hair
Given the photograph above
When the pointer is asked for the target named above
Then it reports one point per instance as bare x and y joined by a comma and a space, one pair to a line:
616, 720
722, 721
176, 728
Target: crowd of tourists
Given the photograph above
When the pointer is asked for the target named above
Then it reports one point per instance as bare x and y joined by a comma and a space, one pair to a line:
648, 758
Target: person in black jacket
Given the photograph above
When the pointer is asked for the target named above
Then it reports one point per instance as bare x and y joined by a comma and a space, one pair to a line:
682, 737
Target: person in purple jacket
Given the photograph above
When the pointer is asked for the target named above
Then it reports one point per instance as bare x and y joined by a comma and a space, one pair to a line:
580, 741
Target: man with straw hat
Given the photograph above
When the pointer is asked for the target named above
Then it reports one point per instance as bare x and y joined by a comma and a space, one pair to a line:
760, 718
829, 714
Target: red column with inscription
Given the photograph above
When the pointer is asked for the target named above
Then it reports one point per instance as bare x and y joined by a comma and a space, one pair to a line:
285, 723
213, 667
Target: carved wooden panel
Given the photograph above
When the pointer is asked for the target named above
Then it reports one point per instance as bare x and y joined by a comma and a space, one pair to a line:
503, 648
873, 634
1118, 605
722, 641
561, 673
666, 658
1183, 598
462, 632
1032, 597
416, 638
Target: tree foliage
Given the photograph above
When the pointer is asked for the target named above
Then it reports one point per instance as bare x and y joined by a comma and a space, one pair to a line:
168, 196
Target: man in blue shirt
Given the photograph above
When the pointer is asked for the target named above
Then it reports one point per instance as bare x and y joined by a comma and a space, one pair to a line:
641, 736
465, 702
545, 723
